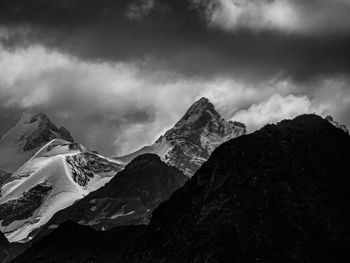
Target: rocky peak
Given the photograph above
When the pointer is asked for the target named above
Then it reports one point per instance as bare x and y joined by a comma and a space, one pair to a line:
196, 111
193, 138
44, 132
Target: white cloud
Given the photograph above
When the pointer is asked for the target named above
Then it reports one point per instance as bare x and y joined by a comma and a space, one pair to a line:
274, 109
292, 16
118, 107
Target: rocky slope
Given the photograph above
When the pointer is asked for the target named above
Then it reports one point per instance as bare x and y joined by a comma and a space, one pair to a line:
4, 249
193, 138
128, 199
80, 244
59, 174
25, 138
277, 195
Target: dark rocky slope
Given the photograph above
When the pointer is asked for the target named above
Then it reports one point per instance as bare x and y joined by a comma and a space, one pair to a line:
80, 244
277, 195
4, 249
280, 194
128, 199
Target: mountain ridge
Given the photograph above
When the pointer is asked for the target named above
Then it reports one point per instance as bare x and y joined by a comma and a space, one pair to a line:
192, 139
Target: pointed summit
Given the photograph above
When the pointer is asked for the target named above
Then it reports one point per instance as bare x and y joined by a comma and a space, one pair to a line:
196, 111
31, 132
193, 138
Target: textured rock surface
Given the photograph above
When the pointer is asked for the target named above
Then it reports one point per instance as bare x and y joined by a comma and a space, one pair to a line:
193, 138
129, 198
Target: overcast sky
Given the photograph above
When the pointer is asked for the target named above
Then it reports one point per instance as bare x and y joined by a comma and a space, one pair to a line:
119, 73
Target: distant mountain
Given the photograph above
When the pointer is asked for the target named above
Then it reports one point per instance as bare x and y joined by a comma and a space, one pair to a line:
4, 249
277, 195
193, 138
59, 173
128, 199
27, 136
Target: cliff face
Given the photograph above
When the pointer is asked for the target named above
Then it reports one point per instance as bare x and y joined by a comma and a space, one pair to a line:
277, 195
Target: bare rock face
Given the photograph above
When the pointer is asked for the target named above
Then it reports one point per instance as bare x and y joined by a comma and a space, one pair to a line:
193, 138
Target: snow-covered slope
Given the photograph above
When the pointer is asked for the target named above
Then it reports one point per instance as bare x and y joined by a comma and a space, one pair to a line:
59, 173
30, 133
193, 138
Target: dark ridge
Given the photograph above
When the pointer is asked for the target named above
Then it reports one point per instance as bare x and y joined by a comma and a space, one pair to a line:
75, 243
277, 195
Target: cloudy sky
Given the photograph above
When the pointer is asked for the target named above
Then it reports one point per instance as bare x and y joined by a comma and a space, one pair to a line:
119, 73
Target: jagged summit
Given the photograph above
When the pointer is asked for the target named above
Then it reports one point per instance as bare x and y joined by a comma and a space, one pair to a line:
193, 138
31, 132
196, 111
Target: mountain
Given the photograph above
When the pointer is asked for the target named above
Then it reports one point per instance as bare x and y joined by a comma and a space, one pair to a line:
59, 173
4, 249
279, 194
193, 138
27, 136
72, 242
128, 199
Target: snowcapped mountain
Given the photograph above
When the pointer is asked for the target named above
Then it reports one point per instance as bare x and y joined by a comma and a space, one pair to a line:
23, 140
193, 138
59, 173
128, 199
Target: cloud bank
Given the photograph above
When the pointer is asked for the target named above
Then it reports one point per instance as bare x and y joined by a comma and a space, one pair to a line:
118, 107
291, 16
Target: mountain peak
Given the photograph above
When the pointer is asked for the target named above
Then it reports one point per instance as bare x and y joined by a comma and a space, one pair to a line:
32, 131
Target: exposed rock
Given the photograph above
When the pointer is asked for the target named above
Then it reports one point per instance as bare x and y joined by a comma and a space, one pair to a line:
193, 138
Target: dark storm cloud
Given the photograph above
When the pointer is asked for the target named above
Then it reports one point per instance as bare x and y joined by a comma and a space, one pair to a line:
118, 73
174, 34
